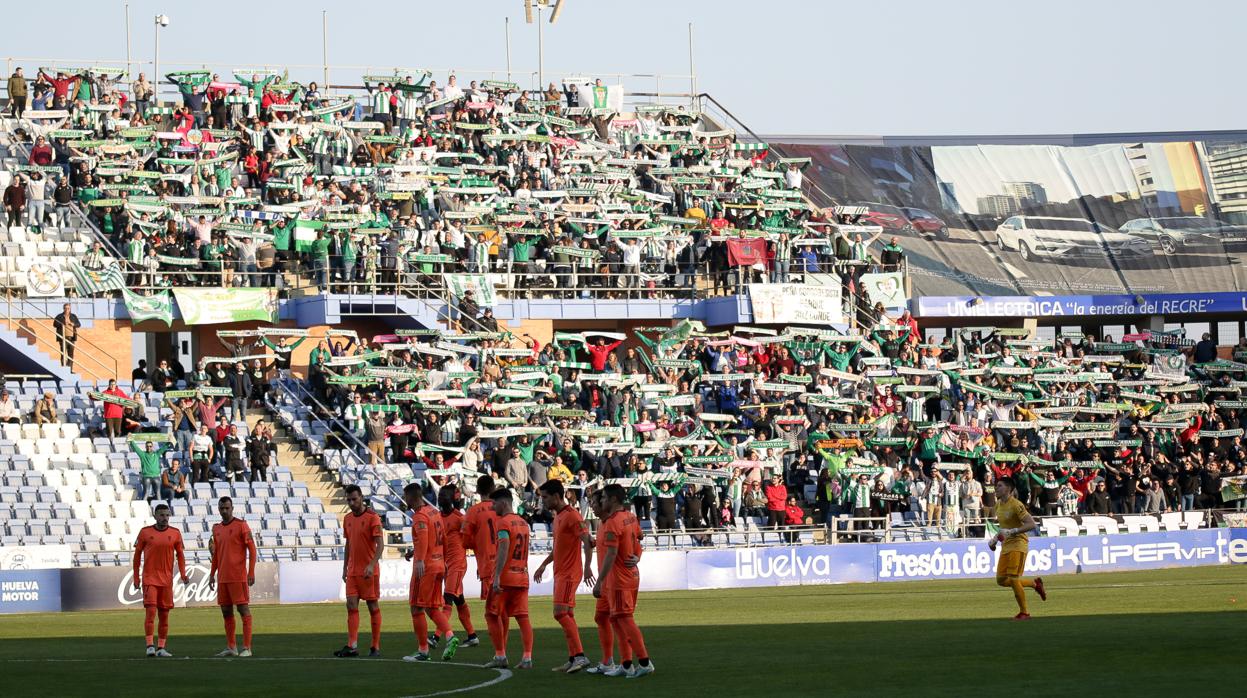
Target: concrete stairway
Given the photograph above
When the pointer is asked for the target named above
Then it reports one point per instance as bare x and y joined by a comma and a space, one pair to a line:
303, 467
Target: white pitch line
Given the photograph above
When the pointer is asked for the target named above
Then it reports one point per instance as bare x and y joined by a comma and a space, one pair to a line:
503, 674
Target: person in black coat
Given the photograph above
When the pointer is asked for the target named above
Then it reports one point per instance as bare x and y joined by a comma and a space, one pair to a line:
240, 389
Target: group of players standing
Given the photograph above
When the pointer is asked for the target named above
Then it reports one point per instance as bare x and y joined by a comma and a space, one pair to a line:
441, 537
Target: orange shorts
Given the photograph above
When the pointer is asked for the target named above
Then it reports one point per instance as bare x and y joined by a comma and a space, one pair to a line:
453, 584
565, 592
603, 605
622, 602
233, 594
160, 597
366, 588
486, 582
511, 602
426, 592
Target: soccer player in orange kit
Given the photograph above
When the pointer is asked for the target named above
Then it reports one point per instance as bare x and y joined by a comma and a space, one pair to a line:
153, 554
571, 537
232, 574
456, 563
602, 607
361, 570
508, 589
428, 570
478, 536
619, 582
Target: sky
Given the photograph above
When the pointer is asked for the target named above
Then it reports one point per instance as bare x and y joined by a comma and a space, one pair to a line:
888, 67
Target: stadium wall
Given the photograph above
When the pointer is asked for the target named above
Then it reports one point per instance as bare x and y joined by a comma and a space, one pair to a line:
104, 588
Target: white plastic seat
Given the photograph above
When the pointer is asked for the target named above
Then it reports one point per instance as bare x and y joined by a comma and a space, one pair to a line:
50, 431
72, 431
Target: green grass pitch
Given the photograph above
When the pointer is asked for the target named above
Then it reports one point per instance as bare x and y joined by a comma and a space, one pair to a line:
1169, 632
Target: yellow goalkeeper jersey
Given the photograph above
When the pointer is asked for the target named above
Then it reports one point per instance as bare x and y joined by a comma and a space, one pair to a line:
1009, 514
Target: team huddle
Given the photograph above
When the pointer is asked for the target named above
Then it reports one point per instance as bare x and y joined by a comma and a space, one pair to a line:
441, 537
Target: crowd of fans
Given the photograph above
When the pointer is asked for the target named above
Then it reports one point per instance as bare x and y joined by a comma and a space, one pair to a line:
799, 425
250, 176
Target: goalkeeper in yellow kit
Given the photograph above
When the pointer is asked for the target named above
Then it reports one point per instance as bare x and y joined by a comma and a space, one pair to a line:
1015, 522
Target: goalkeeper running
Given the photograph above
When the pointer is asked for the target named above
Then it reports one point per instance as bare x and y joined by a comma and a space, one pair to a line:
1015, 522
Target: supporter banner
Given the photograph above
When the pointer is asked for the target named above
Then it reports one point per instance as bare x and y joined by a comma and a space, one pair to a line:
44, 281
36, 557
158, 306
481, 285
90, 282
30, 591
1122, 523
105, 588
208, 306
1233, 488
603, 97
796, 303
745, 253
961, 559
888, 289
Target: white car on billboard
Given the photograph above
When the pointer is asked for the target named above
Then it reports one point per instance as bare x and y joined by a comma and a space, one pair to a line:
1046, 237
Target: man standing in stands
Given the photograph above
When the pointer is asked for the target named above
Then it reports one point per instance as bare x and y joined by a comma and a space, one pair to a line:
361, 570
508, 589
17, 93
66, 327
15, 201
571, 537
153, 557
232, 574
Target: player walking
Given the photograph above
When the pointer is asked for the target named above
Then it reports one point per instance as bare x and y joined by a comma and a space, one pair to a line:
456, 563
361, 570
153, 553
508, 589
428, 570
620, 582
232, 575
571, 536
1015, 522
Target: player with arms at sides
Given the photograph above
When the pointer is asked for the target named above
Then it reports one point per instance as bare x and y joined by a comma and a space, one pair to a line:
456, 563
602, 609
232, 575
361, 570
619, 582
508, 587
428, 570
153, 554
1015, 522
571, 537
478, 536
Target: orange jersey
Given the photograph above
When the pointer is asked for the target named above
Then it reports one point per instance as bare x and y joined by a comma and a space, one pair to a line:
156, 549
362, 532
569, 527
453, 550
428, 533
478, 534
623, 533
514, 530
233, 551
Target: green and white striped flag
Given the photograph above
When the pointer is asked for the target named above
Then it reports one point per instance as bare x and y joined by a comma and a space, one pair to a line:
91, 282
158, 306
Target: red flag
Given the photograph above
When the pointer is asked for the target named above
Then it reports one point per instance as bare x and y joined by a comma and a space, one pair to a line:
746, 252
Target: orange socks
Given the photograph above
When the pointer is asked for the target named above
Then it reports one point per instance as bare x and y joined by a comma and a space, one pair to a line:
230, 629
571, 632
375, 618
246, 631
162, 614
606, 637
352, 627
526, 635
420, 626
465, 618
149, 624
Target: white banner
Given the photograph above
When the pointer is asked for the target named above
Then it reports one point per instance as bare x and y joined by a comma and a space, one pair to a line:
44, 281
36, 557
603, 97
888, 289
796, 303
481, 285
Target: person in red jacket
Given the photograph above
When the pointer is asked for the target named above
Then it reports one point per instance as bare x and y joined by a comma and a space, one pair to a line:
112, 411
41, 153
776, 500
598, 353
